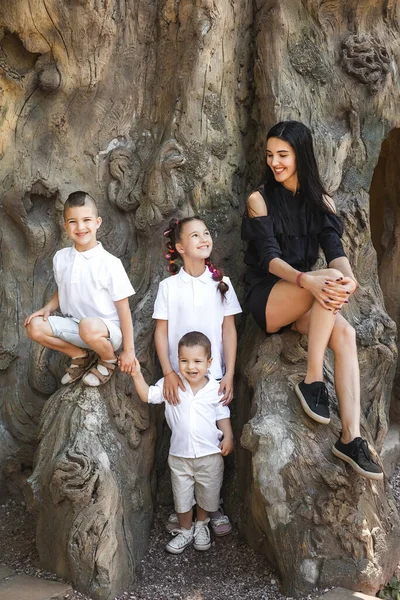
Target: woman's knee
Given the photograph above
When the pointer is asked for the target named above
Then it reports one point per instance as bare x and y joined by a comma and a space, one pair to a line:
343, 337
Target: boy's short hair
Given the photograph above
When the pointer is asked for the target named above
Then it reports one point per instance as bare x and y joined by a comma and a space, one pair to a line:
80, 199
195, 338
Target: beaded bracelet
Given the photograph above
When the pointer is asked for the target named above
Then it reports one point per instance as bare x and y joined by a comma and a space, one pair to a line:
298, 278
169, 373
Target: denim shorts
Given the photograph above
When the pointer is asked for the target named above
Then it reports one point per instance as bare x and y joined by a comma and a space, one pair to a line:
67, 329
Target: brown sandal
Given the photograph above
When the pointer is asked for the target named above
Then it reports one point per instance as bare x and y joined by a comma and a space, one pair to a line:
77, 368
94, 371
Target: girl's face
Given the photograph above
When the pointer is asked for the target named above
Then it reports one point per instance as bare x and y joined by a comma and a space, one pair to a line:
195, 241
281, 159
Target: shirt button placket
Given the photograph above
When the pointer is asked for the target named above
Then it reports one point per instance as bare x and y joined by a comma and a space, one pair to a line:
197, 300
75, 269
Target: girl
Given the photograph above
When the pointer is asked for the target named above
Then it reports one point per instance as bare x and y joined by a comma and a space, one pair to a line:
286, 222
197, 298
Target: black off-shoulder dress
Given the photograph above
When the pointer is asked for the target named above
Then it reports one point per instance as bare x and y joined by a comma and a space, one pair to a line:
300, 250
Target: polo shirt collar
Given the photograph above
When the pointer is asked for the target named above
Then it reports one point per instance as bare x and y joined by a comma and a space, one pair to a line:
204, 277
89, 253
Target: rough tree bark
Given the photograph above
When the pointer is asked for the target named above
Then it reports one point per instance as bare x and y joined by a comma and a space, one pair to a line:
159, 109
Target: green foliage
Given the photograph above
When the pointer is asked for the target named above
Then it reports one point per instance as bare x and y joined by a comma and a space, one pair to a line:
391, 591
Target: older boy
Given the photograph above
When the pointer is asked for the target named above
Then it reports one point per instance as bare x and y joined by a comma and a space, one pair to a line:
92, 293
201, 436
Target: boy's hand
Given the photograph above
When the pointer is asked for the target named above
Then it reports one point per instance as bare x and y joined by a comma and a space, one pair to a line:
226, 388
136, 370
42, 312
172, 382
126, 361
226, 445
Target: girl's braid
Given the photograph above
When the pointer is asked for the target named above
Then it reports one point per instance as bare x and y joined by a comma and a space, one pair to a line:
217, 275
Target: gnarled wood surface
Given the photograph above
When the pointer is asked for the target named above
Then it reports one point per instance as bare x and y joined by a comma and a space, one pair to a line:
160, 109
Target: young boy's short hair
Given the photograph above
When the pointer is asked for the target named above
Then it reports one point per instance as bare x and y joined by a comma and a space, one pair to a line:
195, 338
80, 199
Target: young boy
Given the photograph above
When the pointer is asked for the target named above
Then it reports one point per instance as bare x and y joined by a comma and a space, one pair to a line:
201, 436
92, 293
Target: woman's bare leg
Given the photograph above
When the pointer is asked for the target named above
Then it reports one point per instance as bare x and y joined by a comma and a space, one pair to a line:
347, 374
287, 303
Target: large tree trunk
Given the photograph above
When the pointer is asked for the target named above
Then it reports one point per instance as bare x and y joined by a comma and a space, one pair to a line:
160, 109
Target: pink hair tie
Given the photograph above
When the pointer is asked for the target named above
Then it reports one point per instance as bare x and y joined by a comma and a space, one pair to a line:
167, 232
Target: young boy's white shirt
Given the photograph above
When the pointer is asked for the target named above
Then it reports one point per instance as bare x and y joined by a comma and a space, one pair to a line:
89, 283
193, 421
195, 304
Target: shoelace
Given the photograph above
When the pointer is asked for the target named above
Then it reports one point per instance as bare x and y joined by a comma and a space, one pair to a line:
201, 531
322, 395
363, 446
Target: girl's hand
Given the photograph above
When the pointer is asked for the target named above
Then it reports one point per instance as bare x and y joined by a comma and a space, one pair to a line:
136, 368
226, 445
172, 382
327, 291
226, 388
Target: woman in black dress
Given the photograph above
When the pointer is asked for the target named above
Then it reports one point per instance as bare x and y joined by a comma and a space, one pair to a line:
287, 220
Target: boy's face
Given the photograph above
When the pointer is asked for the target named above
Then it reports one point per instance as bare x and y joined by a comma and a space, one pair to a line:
81, 225
193, 363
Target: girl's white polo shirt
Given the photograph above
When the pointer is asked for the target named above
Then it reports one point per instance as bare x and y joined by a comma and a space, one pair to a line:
195, 304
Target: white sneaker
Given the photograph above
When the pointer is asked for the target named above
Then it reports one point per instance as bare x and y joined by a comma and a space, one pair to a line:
181, 539
201, 536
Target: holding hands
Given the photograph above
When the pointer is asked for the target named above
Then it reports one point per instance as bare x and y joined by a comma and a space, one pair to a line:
127, 361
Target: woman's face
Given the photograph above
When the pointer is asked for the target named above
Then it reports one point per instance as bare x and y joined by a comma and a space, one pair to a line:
281, 159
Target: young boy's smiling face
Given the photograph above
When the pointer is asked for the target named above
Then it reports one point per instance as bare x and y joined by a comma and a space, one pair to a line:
81, 224
194, 363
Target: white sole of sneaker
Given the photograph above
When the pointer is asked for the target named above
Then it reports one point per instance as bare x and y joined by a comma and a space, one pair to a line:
221, 534
308, 410
173, 550
202, 548
356, 467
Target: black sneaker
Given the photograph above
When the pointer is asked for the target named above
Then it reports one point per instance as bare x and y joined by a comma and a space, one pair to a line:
314, 400
357, 454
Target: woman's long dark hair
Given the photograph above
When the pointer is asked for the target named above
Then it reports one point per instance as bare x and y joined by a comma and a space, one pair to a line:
311, 188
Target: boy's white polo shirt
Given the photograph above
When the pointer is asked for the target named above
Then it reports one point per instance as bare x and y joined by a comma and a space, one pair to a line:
195, 304
193, 421
90, 282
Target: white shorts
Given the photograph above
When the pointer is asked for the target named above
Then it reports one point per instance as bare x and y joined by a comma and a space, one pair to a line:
201, 477
67, 329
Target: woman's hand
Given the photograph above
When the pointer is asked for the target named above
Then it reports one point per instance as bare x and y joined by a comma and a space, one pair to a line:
349, 285
330, 293
172, 382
